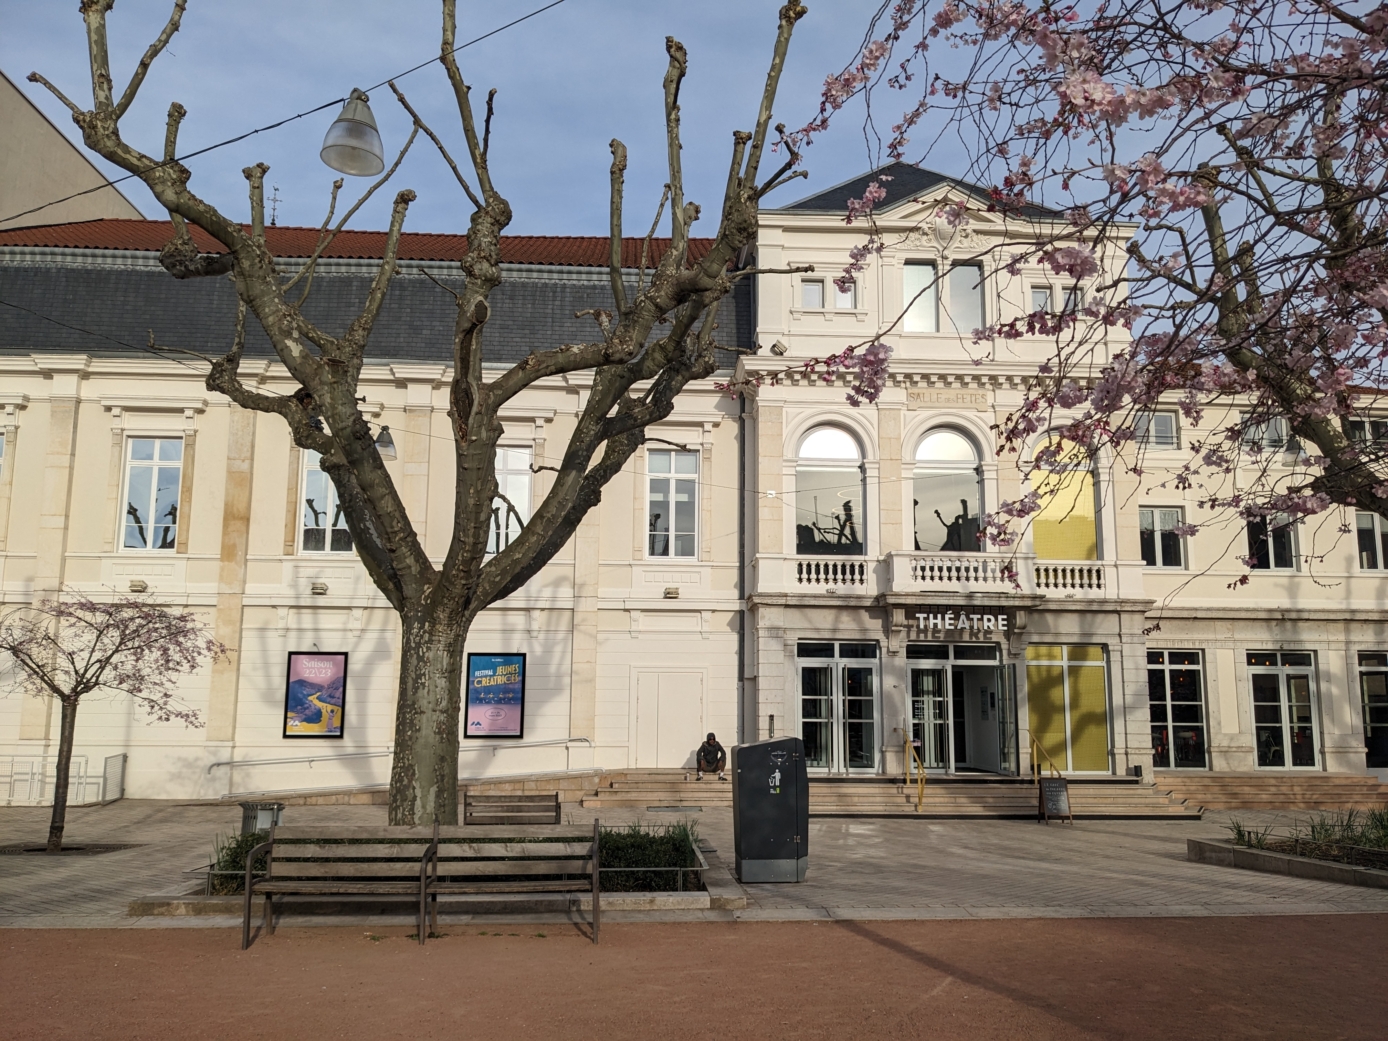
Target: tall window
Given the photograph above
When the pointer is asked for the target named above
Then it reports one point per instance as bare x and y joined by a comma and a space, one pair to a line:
153, 473
672, 530
948, 499
1373, 541
509, 515
324, 526
1177, 709
1067, 525
1155, 429
1284, 720
964, 311
1162, 545
1271, 544
1373, 688
812, 294
829, 494
919, 295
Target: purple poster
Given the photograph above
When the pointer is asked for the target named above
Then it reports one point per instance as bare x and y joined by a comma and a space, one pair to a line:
315, 694
495, 695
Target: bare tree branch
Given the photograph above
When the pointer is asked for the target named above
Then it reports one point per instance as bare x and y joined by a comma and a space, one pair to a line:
152, 52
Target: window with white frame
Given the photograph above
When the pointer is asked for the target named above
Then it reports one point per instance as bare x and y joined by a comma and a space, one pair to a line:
153, 477
511, 513
1372, 531
1040, 299
1272, 544
1155, 429
1159, 528
963, 301
1072, 300
919, 296
829, 490
1268, 435
673, 504
323, 527
812, 294
1369, 431
846, 299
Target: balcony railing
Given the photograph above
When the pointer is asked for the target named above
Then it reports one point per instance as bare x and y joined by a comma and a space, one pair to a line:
1071, 578
940, 575
834, 571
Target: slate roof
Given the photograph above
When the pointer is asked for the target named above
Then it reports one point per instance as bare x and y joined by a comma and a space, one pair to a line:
907, 182
150, 235
58, 303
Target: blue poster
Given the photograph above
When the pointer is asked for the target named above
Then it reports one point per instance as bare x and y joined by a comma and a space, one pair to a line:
495, 695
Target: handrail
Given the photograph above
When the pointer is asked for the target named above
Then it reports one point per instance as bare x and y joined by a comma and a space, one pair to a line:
369, 755
1036, 766
910, 755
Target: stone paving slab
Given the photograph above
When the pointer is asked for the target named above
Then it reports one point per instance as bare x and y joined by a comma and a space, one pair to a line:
859, 869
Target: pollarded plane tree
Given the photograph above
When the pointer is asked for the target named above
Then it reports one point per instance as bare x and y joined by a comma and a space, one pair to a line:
658, 338
1233, 156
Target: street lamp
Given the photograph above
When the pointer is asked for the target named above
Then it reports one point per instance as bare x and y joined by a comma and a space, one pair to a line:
353, 144
385, 445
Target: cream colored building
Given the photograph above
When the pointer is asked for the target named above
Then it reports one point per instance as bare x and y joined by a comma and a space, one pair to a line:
121, 472
39, 165
874, 616
821, 575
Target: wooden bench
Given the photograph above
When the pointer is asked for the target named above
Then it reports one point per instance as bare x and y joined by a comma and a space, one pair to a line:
523, 859
510, 809
420, 864
347, 861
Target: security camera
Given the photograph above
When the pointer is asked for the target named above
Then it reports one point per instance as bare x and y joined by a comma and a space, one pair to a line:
778, 348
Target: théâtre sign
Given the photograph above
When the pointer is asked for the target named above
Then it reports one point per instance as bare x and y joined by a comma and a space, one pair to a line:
963, 620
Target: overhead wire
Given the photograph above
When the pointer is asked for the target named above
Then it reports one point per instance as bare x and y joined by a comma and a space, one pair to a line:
280, 123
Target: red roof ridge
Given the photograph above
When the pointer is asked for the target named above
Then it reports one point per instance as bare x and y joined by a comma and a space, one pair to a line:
149, 236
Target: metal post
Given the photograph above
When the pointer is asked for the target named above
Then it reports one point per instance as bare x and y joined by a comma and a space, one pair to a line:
597, 888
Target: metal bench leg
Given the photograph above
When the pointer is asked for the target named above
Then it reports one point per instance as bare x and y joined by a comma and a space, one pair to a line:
246, 922
434, 913
269, 915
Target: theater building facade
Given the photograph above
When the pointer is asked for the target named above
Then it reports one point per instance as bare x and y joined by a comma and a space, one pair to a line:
782, 563
1104, 642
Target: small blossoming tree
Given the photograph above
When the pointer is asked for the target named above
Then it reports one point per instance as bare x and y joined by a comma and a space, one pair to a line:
1221, 168
69, 648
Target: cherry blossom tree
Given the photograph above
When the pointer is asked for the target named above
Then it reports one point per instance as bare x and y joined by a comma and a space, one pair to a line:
657, 338
73, 647
1221, 167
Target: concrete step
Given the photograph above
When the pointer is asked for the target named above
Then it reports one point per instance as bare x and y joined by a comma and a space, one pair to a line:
1275, 791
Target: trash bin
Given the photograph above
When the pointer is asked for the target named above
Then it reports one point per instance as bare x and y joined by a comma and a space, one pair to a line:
771, 811
260, 816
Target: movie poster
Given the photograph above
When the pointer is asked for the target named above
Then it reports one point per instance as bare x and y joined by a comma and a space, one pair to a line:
495, 695
315, 694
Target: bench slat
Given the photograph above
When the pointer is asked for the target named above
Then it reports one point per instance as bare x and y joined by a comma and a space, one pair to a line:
514, 867
350, 851
381, 888
515, 849
531, 800
511, 887
465, 832
339, 869
506, 818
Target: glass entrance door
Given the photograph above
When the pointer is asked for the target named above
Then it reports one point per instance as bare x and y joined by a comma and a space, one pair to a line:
930, 718
963, 708
839, 707
1283, 714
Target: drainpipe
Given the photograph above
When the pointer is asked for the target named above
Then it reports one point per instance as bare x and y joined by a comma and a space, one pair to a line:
741, 567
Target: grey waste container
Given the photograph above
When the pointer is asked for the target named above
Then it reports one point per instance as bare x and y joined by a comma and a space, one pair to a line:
259, 816
771, 811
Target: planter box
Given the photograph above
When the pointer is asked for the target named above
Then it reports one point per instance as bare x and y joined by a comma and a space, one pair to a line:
1226, 854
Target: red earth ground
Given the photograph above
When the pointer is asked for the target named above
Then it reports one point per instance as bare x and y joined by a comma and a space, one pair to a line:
1078, 979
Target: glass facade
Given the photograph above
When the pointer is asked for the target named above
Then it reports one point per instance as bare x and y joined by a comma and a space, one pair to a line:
1283, 711
1177, 708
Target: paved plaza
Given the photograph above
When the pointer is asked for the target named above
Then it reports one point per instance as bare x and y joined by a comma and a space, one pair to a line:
860, 869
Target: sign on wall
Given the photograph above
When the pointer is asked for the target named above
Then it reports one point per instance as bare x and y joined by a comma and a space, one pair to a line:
495, 695
951, 621
315, 694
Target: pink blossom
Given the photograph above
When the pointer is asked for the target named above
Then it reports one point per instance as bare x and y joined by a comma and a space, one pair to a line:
1079, 262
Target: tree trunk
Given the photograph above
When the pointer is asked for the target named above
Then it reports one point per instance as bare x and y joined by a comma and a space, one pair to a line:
424, 775
60, 782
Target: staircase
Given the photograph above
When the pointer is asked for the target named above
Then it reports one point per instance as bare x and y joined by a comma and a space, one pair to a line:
1266, 790
968, 797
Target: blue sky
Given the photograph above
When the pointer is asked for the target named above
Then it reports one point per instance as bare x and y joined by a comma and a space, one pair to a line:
569, 80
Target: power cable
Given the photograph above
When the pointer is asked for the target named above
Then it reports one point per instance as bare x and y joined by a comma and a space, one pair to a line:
162, 355
282, 122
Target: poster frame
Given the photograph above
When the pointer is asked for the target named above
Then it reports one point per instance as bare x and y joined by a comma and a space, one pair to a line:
284, 710
467, 686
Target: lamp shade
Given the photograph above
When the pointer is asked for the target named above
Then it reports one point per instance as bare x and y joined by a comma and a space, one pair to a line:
385, 445
353, 144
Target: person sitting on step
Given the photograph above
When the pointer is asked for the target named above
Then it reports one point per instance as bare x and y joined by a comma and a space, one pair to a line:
711, 757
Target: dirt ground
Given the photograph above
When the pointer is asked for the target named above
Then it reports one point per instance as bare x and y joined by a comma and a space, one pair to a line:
1228, 978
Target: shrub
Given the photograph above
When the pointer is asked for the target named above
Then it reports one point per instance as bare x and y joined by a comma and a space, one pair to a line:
649, 846
229, 854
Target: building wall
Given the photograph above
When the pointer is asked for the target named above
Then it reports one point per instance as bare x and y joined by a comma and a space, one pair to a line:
600, 623
1328, 605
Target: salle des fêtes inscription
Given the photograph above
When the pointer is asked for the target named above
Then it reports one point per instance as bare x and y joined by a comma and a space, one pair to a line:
929, 397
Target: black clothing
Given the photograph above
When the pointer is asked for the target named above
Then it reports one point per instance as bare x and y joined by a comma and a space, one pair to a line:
712, 755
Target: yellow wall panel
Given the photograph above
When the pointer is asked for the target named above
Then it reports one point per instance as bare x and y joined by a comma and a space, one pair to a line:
1088, 717
1046, 710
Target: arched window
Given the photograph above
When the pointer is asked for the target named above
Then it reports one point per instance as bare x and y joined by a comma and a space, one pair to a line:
829, 494
948, 496
1067, 526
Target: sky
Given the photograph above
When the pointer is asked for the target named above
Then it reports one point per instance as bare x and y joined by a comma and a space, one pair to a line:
568, 81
